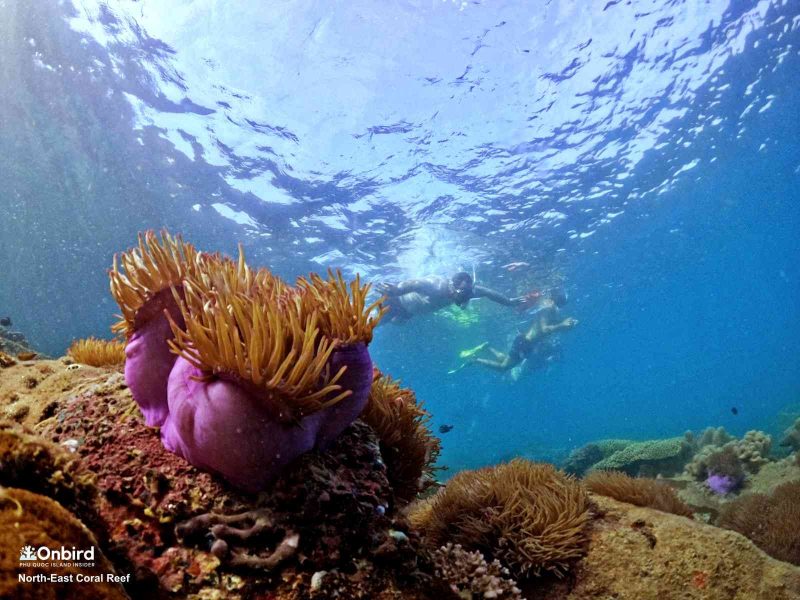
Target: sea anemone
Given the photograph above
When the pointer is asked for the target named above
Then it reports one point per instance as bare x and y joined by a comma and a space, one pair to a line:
530, 516
408, 447
97, 353
242, 372
769, 521
638, 491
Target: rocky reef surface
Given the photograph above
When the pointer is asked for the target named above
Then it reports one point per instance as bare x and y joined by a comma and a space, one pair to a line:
78, 463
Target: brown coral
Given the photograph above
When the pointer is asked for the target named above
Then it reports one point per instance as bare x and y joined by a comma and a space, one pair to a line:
771, 522
530, 516
97, 353
408, 447
470, 576
637, 491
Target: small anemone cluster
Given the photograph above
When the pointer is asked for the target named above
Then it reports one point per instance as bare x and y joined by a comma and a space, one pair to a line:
531, 517
242, 372
638, 491
97, 353
770, 521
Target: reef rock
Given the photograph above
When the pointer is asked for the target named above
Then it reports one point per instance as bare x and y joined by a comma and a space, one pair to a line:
643, 554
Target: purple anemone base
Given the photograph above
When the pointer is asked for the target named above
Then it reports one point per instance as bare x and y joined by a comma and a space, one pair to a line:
148, 360
219, 425
722, 484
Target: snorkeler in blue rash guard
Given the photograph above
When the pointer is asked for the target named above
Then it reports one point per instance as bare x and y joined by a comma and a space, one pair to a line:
526, 344
418, 296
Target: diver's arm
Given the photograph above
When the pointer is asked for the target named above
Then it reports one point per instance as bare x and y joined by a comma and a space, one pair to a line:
479, 291
565, 324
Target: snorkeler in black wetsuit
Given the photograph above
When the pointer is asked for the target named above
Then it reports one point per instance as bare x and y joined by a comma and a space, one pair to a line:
526, 344
419, 296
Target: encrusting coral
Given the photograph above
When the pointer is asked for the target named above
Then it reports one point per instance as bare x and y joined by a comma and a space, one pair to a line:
648, 458
242, 372
97, 353
637, 491
408, 447
470, 576
771, 522
530, 516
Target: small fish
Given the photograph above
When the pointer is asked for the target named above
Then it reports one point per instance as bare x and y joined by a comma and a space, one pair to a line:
445, 428
5, 321
734, 410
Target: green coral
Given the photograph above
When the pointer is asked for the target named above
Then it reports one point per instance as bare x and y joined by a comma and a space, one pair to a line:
650, 457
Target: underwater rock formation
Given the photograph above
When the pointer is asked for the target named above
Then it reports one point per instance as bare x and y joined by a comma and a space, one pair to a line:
643, 554
13, 342
242, 372
639, 491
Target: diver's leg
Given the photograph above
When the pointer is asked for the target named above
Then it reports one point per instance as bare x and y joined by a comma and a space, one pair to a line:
504, 364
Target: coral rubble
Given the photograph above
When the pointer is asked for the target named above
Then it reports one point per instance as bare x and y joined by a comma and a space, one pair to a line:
468, 574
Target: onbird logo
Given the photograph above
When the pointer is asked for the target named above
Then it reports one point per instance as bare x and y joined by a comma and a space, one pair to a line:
27, 553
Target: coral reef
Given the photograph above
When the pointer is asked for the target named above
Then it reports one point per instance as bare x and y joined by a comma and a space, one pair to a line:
97, 353
791, 437
648, 458
408, 447
770, 521
242, 372
582, 459
710, 436
638, 491
529, 516
725, 468
31, 520
13, 342
470, 576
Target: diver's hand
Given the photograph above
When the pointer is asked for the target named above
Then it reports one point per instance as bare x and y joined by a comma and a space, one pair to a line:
388, 289
570, 322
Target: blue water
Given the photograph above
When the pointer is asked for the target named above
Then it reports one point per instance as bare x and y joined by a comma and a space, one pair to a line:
645, 154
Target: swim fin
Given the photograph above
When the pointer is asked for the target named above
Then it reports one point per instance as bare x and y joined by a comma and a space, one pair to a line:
472, 351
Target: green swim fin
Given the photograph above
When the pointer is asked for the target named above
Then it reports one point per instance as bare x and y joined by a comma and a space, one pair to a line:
472, 351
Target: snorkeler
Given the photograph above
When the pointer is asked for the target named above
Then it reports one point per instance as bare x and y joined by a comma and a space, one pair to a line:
526, 344
418, 296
